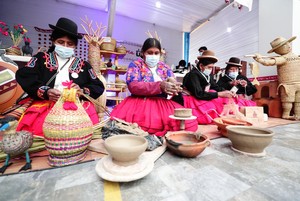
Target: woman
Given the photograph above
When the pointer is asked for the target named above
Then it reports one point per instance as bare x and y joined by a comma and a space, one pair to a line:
43, 76
200, 91
148, 106
237, 83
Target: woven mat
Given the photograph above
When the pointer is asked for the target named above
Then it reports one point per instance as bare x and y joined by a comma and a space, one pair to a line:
97, 150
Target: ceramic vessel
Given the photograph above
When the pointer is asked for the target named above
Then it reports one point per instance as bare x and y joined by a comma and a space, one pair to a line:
222, 123
182, 112
125, 149
186, 144
249, 139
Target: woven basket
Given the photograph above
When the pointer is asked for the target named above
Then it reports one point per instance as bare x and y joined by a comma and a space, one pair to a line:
121, 49
67, 132
94, 57
14, 51
290, 72
109, 46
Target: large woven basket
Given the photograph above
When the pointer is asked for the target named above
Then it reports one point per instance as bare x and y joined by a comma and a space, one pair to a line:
109, 46
94, 57
67, 132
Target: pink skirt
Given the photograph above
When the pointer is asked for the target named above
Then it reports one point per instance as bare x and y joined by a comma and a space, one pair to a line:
243, 102
151, 114
205, 111
33, 118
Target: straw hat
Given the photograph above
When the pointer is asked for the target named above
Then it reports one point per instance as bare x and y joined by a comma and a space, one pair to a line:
208, 54
278, 42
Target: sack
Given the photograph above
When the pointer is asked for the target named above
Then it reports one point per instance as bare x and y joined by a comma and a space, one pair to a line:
68, 130
119, 127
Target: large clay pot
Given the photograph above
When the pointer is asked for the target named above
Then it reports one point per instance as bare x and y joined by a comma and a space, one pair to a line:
125, 149
223, 122
249, 139
186, 144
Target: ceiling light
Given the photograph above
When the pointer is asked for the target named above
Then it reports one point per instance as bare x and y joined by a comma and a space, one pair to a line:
228, 29
157, 4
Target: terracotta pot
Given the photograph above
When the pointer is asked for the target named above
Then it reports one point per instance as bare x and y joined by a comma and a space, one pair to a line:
186, 144
223, 122
249, 139
125, 149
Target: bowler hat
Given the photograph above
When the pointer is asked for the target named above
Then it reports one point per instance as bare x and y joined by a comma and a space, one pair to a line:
234, 61
208, 54
278, 42
67, 26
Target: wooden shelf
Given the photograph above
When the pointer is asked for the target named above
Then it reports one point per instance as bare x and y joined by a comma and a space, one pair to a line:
111, 71
110, 54
123, 89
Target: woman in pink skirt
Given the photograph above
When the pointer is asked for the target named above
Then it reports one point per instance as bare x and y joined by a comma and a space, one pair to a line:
201, 92
234, 81
148, 105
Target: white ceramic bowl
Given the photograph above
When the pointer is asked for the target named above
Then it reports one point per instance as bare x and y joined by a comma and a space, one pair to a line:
125, 149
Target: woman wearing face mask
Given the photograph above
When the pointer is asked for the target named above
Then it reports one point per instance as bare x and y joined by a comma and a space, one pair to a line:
43, 76
239, 84
148, 82
201, 92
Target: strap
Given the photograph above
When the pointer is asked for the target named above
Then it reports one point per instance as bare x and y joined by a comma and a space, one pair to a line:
53, 76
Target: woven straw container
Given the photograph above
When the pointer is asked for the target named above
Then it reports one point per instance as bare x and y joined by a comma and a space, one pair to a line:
109, 46
94, 57
67, 132
121, 49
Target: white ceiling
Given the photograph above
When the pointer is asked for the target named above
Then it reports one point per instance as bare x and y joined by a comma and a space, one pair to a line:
182, 15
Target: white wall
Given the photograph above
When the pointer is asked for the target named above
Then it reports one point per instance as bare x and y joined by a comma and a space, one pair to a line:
296, 26
40, 13
242, 40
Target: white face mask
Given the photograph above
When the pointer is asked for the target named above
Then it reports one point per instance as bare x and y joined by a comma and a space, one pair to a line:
64, 52
152, 60
207, 71
233, 75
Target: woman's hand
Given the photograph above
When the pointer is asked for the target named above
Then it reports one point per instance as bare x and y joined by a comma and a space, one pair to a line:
234, 82
226, 94
169, 88
76, 86
53, 94
243, 83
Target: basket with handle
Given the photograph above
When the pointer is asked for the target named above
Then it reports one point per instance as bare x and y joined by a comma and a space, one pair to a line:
68, 130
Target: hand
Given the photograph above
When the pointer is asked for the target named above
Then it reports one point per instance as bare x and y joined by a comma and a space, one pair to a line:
53, 94
226, 94
169, 88
234, 82
257, 57
76, 86
243, 83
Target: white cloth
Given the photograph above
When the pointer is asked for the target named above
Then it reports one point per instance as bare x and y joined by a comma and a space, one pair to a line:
63, 74
155, 75
247, 3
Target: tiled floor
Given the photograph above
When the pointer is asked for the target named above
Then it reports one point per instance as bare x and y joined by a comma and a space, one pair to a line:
218, 173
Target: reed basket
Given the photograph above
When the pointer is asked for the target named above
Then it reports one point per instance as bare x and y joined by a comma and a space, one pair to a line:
109, 46
67, 132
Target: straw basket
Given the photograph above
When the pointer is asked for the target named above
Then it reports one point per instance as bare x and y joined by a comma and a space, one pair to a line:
109, 46
94, 57
14, 51
121, 50
68, 130
290, 72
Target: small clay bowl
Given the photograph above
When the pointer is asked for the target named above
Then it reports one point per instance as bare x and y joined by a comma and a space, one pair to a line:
186, 144
182, 112
249, 139
125, 149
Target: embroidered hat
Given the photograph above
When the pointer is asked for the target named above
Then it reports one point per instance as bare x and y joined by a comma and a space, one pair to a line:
278, 42
66, 26
234, 61
208, 54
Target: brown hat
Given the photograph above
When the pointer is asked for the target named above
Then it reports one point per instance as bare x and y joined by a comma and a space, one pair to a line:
208, 54
234, 61
278, 42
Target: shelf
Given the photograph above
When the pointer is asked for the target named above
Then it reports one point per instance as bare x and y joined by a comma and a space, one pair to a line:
110, 54
111, 71
116, 89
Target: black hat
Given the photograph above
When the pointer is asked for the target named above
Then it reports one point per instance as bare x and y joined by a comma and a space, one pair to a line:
66, 26
234, 61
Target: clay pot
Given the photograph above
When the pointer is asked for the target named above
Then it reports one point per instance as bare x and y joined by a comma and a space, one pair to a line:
249, 139
223, 122
186, 144
125, 149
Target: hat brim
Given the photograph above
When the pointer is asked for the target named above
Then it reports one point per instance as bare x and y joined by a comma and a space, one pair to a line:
215, 59
78, 36
281, 44
233, 64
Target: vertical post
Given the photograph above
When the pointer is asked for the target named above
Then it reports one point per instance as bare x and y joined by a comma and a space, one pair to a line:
111, 18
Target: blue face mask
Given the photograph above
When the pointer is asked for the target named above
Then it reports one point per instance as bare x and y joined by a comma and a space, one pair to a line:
207, 71
64, 52
233, 75
152, 60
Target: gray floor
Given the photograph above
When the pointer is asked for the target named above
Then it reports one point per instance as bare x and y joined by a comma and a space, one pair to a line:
217, 174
